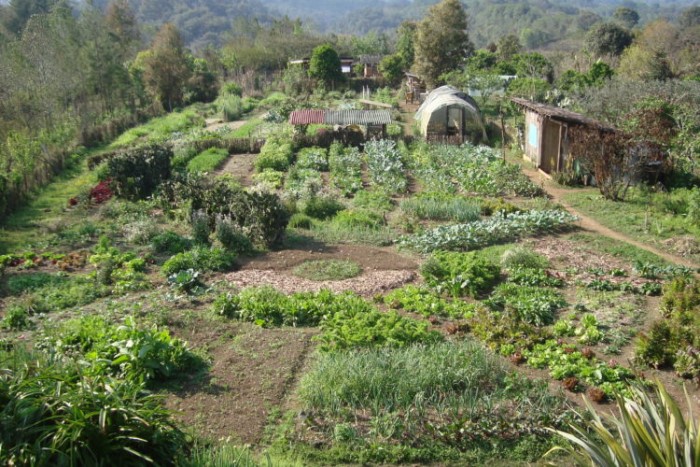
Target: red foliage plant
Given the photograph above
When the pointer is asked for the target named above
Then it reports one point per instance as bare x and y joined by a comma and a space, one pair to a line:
101, 192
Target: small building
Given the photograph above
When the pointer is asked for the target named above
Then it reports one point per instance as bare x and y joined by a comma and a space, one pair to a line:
547, 137
414, 87
369, 122
449, 115
370, 65
346, 64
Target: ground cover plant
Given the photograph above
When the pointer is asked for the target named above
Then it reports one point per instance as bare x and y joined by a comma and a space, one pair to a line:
500, 228
208, 160
420, 403
668, 220
325, 270
442, 208
345, 168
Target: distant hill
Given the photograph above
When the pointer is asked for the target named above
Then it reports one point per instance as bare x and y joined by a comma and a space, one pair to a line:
536, 22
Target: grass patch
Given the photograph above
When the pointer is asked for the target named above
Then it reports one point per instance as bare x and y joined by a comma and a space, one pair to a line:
646, 216
22, 228
208, 161
332, 232
160, 128
327, 270
248, 129
618, 248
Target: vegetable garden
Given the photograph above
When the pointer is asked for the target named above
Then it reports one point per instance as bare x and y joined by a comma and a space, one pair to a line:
124, 337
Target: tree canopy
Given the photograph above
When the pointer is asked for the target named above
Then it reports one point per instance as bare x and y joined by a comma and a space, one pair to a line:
442, 41
325, 64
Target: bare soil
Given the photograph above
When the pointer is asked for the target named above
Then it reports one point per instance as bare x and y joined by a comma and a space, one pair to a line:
241, 167
251, 373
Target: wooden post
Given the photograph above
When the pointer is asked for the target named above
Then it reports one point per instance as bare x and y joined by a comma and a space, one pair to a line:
503, 134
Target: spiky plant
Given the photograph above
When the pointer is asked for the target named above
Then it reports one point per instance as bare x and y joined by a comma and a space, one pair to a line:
650, 431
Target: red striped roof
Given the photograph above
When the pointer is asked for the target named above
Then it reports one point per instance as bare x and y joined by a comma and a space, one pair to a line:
307, 116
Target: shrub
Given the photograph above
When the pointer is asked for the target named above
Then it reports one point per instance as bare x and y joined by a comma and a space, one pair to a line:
170, 242
658, 347
322, 207
261, 216
300, 221
50, 414
533, 305
231, 237
460, 274
186, 281
199, 258
207, 161
302, 183
16, 317
650, 430
136, 173
231, 107
199, 220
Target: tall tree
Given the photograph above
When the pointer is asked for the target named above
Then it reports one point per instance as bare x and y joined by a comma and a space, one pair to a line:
165, 69
22, 10
325, 64
508, 46
608, 39
627, 17
405, 39
442, 41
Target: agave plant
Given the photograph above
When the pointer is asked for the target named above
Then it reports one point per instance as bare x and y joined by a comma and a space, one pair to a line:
650, 431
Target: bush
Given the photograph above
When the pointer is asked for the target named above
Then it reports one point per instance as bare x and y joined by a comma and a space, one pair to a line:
460, 274
231, 107
231, 237
170, 242
300, 221
136, 173
261, 216
201, 259
650, 430
322, 207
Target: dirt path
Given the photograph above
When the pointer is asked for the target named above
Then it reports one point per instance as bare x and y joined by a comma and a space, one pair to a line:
214, 124
241, 167
586, 223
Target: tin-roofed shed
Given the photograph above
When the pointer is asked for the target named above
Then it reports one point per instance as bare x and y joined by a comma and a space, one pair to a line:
373, 121
547, 136
450, 115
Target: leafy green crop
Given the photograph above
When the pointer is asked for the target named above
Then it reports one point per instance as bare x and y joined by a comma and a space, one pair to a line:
199, 258
126, 351
460, 274
425, 302
534, 305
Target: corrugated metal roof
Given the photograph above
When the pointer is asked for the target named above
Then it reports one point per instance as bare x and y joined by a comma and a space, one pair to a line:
358, 117
558, 113
306, 116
